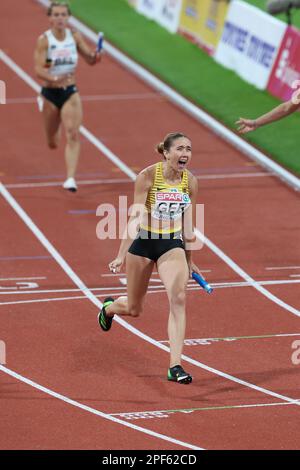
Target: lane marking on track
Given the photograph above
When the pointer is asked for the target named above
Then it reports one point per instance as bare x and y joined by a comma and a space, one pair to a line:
24, 258
73, 276
50, 184
118, 162
191, 286
22, 278
153, 272
77, 281
60, 176
208, 341
190, 108
94, 411
233, 175
275, 268
158, 414
105, 293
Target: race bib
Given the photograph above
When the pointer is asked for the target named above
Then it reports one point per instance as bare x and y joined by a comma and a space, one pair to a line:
170, 205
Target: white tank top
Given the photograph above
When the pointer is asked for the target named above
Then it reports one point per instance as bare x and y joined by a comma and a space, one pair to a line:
62, 54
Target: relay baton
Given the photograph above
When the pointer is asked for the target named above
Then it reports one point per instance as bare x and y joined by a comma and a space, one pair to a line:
202, 282
100, 42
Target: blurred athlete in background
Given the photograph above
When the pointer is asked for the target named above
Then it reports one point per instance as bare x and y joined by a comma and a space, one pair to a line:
56, 57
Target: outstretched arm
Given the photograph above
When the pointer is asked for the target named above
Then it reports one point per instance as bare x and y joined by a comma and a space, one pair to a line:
284, 109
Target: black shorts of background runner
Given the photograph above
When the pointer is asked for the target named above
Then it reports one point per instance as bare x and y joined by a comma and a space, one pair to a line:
59, 96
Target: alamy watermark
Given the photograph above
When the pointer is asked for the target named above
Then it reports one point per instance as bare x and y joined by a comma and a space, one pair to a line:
2, 352
296, 354
118, 223
2, 92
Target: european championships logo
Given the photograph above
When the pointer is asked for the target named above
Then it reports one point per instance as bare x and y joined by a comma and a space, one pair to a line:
2, 92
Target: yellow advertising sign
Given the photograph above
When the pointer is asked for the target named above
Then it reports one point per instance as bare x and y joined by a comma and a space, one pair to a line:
203, 21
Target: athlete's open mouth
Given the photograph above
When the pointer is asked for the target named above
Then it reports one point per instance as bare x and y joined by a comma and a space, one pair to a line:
182, 162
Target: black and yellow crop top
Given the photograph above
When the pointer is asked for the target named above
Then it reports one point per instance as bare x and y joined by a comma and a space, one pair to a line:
166, 202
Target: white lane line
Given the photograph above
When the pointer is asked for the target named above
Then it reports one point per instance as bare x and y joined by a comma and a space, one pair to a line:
233, 175
203, 341
274, 268
58, 299
22, 278
123, 281
73, 276
53, 299
118, 162
120, 274
294, 275
77, 281
245, 275
249, 284
106, 292
108, 153
94, 411
135, 415
63, 291
50, 184
190, 108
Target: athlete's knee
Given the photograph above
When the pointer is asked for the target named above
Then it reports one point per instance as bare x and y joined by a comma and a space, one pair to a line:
135, 310
52, 144
178, 297
72, 134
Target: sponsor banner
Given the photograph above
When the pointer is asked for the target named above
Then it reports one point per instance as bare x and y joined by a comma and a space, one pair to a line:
149, 8
286, 70
169, 14
250, 42
202, 21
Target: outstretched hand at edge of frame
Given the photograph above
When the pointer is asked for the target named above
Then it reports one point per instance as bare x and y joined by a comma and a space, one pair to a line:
246, 125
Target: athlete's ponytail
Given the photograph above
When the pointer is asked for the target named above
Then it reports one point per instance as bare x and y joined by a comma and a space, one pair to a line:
160, 148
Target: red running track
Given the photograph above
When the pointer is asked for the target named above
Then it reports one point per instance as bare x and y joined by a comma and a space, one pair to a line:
52, 338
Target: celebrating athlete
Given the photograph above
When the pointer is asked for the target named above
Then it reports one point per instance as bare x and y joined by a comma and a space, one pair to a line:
164, 214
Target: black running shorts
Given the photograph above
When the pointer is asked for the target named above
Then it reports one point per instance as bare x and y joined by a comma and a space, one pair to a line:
153, 245
59, 96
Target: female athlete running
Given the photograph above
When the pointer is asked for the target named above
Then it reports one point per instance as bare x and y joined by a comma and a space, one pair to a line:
164, 212
56, 57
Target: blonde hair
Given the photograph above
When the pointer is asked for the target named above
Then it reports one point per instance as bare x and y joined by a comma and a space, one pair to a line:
58, 4
168, 141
